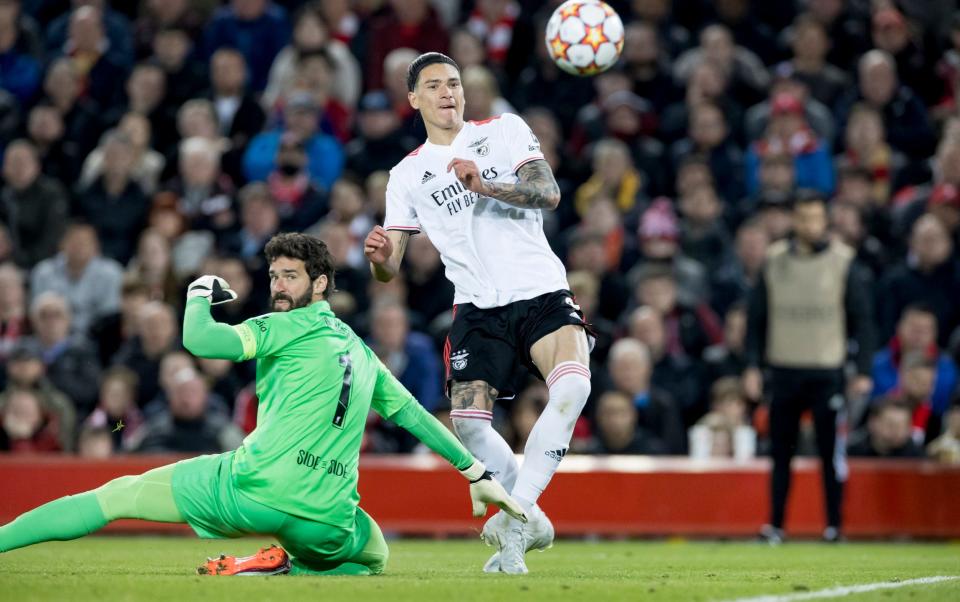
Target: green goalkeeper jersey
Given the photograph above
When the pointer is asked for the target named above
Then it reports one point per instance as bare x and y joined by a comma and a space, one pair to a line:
316, 383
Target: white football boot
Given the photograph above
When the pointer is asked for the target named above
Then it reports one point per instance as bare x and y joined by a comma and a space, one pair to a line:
538, 534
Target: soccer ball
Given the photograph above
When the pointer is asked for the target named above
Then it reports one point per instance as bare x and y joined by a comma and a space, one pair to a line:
584, 37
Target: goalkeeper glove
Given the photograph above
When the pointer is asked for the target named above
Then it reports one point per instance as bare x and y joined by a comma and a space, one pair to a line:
213, 288
484, 489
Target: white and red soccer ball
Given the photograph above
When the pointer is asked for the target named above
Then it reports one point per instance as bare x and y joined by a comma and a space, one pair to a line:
584, 37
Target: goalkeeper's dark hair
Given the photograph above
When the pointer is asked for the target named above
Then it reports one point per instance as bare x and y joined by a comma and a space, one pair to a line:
425, 60
311, 250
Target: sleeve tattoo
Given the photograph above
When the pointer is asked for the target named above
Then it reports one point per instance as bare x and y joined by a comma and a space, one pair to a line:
537, 188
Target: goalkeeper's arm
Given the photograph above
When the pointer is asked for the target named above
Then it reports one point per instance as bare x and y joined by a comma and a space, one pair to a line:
483, 488
205, 337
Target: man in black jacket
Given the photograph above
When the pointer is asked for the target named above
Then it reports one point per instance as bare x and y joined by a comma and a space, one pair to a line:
810, 298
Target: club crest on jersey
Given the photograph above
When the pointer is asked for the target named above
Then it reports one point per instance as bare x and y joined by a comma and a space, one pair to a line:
480, 147
458, 360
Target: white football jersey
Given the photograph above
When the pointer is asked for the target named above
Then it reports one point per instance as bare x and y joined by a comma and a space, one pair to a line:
494, 253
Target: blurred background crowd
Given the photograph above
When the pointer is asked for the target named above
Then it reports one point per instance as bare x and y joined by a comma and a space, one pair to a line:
150, 141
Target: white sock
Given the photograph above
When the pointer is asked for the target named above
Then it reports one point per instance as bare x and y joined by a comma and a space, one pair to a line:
475, 429
569, 385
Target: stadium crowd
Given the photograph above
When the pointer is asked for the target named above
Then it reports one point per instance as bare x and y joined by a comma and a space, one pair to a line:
145, 143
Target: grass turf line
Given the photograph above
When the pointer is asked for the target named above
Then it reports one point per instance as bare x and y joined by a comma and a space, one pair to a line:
141, 568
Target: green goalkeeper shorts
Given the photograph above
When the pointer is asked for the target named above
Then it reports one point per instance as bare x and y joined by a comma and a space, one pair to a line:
214, 507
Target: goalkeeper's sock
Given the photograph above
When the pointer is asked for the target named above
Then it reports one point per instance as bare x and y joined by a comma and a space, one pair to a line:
569, 385
62, 519
475, 429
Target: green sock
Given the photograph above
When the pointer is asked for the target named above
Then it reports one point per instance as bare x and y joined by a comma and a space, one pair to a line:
347, 568
66, 518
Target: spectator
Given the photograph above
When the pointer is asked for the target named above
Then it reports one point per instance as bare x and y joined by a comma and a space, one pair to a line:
259, 221
152, 265
493, 21
147, 164
25, 427
904, 116
26, 371
114, 203
20, 68
81, 116
866, 147
613, 177
95, 443
258, 29
405, 24
917, 373
776, 185
118, 42
848, 224
916, 333
929, 275
946, 447
845, 29
810, 299
159, 16
659, 244
732, 281
116, 410
13, 310
89, 281
887, 434
156, 335
587, 252
71, 362
314, 75
709, 135
748, 75
381, 142
224, 381
429, 293
299, 201
891, 33
726, 358
649, 65
617, 432
810, 46
147, 94
99, 65
34, 206
324, 154
239, 115
788, 133
172, 50
201, 192
311, 33
58, 156
187, 426
818, 115
724, 432
408, 355
112, 330
703, 236
480, 86
586, 289
657, 418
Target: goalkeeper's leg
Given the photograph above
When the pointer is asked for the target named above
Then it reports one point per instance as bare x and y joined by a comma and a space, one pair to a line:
146, 497
312, 548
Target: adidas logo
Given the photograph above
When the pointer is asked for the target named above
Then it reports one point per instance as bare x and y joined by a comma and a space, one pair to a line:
427, 176
556, 454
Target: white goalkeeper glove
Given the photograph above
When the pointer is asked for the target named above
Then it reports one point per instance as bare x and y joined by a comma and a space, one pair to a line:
213, 288
484, 489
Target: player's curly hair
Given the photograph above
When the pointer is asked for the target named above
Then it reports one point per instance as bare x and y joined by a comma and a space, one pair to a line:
425, 60
311, 250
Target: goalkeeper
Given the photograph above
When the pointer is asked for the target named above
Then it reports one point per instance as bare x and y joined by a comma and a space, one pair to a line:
295, 476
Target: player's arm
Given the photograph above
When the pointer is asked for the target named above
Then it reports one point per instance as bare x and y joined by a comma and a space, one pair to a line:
537, 188
392, 401
202, 335
385, 249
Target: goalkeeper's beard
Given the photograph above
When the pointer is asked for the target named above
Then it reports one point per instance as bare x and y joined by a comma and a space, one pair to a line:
302, 301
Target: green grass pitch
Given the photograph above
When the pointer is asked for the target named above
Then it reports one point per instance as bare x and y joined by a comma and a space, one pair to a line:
161, 568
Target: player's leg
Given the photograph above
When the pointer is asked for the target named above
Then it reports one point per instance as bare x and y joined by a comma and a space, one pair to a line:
321, 549
563, 356
479, 367
829, 416
472, 416
785, 411
146, 497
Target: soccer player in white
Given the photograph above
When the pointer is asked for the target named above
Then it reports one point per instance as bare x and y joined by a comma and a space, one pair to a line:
477, 190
